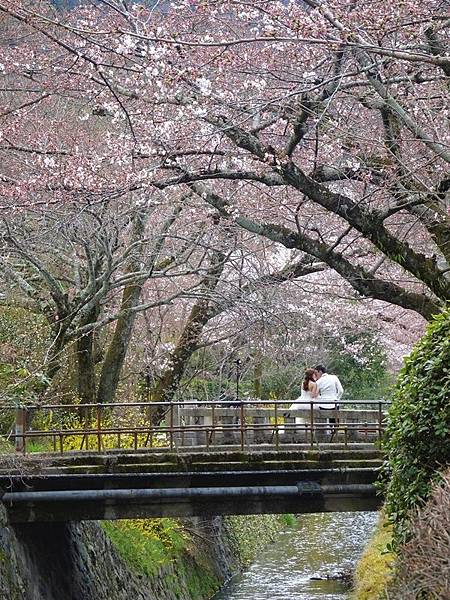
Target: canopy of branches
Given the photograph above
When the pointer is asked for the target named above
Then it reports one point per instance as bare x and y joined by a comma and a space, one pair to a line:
196, 154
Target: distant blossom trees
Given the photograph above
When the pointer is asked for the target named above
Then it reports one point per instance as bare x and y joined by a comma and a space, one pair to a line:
317, 127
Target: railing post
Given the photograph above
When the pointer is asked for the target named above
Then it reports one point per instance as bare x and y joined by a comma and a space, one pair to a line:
380, 420
311, 421
213, 424
242, 425
99, 427
277, 433
171, 426
334, 428
21, 429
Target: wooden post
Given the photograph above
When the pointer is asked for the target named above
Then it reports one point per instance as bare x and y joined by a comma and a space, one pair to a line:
21, 429
99, 428
277, 433
380, 420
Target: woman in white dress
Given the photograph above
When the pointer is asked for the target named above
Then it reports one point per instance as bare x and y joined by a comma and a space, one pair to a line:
309, 393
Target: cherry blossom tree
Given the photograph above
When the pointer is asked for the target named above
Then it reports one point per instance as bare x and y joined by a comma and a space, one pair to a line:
71, 266
318, 127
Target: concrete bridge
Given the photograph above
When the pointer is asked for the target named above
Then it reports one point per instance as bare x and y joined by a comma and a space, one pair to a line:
142, 484
242, 467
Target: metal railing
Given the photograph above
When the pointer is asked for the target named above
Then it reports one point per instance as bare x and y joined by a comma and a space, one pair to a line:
244, 423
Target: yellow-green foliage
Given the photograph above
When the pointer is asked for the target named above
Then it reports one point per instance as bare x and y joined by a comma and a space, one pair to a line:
147, 544
163, 547
23, 339
72, 426
6, 447
374, 570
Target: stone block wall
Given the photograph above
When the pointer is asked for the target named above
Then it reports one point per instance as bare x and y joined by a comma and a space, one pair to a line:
78, 561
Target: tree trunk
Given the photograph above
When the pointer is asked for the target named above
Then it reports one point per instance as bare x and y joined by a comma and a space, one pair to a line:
115, 356
117, 350
86, 363
55, 353
257, 377
187, 344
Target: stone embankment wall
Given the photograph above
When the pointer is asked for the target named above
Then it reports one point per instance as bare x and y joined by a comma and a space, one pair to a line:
78, 561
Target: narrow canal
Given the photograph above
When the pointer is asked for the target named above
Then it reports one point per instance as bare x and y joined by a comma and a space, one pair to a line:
320, 545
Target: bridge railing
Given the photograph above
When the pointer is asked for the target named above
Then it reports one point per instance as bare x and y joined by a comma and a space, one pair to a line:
241, 423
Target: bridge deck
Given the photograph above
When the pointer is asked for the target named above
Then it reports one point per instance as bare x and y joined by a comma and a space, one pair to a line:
149, 483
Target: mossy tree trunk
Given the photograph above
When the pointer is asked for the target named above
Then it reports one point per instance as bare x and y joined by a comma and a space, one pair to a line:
199, 316
86, 360
117, 349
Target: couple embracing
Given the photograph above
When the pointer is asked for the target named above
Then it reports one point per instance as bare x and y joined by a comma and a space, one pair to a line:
318, 385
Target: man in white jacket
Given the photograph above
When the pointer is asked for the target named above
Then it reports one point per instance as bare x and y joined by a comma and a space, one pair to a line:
329, 388
329, 392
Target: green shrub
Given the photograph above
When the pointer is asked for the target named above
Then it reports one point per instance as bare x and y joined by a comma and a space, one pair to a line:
417, 439
288, 520
360, 362
23, 343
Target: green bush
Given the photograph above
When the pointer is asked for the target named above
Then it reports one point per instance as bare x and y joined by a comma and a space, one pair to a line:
360, 361
204, 389
23, 343
417, 439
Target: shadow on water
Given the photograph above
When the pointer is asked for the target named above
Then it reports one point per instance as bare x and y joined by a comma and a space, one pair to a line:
320, 545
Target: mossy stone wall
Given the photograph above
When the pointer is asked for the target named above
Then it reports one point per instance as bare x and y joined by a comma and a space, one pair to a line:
82, 561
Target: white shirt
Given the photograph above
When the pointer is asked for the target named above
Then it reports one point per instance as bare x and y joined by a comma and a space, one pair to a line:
330, 390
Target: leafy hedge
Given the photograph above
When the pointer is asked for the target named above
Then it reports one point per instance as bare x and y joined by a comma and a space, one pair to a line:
418, 432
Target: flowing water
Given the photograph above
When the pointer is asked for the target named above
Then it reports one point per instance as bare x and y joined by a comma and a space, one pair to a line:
320, 545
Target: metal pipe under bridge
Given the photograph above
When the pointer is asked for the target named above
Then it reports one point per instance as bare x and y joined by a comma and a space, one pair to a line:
128, 467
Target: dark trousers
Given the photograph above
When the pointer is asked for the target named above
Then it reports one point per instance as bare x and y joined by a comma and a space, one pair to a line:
331, 420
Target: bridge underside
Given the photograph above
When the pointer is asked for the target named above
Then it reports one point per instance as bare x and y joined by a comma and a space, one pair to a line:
114, 485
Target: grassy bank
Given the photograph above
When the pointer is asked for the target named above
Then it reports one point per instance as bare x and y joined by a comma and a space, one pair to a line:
147, 545
373, 571
166, 553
